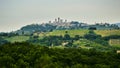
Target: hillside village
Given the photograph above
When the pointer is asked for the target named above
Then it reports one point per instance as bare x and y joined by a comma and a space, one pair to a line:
61, 33
60, 24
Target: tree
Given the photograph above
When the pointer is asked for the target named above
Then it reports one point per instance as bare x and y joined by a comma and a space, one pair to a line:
43, 61
22, 64
6, 61
2, 41
91, 35
76, 37
66, 32
67, 37
78, 66
92, 28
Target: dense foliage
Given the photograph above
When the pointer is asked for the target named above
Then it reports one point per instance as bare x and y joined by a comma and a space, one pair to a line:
25, 55
3, 41
111, 37
37, 27
96, 38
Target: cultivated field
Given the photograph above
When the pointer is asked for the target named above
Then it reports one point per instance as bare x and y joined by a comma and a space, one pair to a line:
72, 33
107, 32
17, 38
114, 42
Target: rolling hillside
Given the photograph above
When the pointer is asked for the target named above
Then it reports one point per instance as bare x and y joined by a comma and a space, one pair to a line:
114, 42
107, 32
17, 39
72, 33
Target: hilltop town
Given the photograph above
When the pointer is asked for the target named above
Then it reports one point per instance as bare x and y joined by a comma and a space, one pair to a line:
60, 24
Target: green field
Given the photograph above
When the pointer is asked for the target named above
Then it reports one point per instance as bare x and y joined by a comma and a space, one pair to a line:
17, 39
114, 42
81, 32
72, 33
107, 32
87, 44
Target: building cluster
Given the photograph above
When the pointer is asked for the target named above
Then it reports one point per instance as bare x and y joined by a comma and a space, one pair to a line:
59, 22
63, 24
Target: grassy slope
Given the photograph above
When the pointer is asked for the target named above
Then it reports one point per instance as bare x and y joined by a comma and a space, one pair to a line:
114, 42
110, 32
72, 33
84, 43
17, 38
107, 32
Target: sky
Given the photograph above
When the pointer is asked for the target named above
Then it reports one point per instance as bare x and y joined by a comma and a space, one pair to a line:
17, 13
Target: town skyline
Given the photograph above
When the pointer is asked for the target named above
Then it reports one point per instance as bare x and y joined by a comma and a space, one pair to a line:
60, 22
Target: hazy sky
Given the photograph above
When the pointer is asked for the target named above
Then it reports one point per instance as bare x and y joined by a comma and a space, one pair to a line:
16, 13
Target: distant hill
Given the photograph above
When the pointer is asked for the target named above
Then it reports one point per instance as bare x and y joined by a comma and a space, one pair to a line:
30, 29
48, 27
118, 24
59, 24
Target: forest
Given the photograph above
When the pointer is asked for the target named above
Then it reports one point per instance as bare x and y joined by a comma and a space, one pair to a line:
25, 55
89, 50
